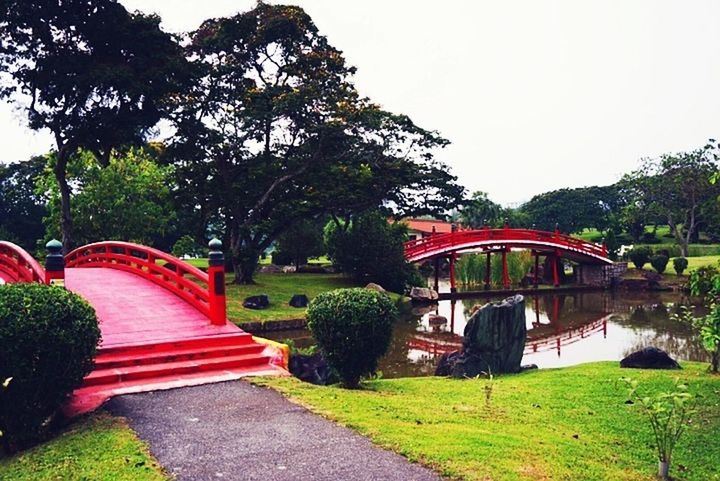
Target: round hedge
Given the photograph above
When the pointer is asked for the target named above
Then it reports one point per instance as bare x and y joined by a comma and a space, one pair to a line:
353, 328
48, 339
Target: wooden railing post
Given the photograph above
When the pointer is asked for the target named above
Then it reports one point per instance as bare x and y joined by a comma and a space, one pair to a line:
54, 264
216, 283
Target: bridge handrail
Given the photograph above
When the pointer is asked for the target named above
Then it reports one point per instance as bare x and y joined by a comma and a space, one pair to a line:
17, 263
423, 245
143, 261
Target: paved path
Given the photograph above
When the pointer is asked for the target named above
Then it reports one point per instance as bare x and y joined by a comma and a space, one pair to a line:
239, 432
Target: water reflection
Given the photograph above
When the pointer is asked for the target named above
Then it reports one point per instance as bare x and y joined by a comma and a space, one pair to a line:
563, 330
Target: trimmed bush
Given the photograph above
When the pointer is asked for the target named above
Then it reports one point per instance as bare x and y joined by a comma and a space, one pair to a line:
640, 256
680, 264
48, 338
659, 263
353, 328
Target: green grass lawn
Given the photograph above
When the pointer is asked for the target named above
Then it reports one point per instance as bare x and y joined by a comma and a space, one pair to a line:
203, 262
550, 424
279, 288
693, 263
98, 448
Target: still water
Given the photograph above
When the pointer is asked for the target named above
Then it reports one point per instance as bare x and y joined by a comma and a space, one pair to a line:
563, 330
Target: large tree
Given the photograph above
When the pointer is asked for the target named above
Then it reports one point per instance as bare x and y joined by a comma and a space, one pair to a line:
91, 73
573, 210
677, 187
273, 132
479, 211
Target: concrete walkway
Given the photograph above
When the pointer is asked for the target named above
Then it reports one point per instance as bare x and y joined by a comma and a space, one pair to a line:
240, 432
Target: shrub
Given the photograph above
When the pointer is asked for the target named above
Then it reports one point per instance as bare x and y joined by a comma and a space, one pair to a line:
186, 246
353, 328
659, 263
640, 256
680, 264
371, 250
702, 280
48, 338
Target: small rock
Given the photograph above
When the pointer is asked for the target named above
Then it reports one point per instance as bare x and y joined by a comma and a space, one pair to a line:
289, 269
423, 294
375, 287
270, 269
650, 358
436, 320
299, 300
312, 368
257, 302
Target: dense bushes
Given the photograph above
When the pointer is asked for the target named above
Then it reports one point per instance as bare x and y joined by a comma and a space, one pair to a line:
680, 264
371, 250
353, 328
659, 262
48, 338
640, 256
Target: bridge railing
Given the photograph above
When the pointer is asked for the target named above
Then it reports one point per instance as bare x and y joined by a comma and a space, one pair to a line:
17, 265
182, 279
427, 245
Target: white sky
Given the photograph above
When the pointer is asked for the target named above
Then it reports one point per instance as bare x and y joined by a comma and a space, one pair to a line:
534, 95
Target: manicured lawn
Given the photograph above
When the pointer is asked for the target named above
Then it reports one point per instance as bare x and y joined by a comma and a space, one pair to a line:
98, 448
693, 263
551, 424
280, 288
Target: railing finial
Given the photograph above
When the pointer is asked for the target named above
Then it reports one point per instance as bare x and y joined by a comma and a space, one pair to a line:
54, 263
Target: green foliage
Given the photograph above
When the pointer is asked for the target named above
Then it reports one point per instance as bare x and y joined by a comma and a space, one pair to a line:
188, 246
470, 268
272, 131
371, 250
573, 209
479, 211
680, 264
708, 325
659, 262
703, 280
612, 244
48, 338
128, 200
21, 208
668, 413
353, 327
299, 243
94, 74
640, 256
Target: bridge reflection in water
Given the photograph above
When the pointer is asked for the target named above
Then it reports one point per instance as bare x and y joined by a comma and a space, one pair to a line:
563, 330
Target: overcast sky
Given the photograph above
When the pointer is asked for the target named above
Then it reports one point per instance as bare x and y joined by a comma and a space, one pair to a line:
534, 95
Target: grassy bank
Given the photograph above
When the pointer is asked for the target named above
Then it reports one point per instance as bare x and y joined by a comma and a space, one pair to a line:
280, 288
551, 424
98, 448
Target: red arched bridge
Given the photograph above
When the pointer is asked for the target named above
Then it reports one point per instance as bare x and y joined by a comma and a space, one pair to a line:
163, 321
552, 245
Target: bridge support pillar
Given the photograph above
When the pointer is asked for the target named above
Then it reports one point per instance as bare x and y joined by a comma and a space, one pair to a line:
436, 262
453, 287
54, 264
556, 274
216, 283
536, 270
505, 274
487, 270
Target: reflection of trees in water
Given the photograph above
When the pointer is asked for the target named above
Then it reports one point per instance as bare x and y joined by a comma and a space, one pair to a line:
681, 347
396, 363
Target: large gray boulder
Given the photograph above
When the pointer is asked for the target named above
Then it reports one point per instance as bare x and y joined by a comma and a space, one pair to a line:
423, 294
493, 342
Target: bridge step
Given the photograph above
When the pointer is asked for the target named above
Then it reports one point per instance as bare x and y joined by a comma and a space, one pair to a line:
202, 342
173, 368
120, 359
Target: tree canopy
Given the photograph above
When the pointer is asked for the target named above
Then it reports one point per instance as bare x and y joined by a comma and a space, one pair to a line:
93, 74
273, 131
21, 208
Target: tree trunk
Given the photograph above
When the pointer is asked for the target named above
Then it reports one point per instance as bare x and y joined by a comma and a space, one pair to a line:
715, 361
245, 263
66, 222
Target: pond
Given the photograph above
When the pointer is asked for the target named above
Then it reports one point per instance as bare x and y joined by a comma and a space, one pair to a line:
563, 330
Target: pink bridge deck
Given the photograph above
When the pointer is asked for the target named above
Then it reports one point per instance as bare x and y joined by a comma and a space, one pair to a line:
133, 310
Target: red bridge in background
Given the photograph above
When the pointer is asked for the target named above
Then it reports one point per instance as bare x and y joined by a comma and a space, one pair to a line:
552, 245
163, 321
